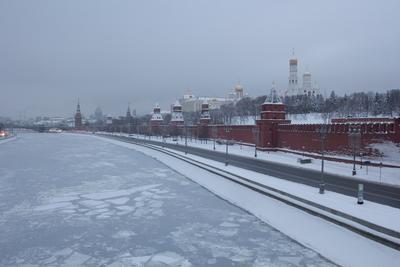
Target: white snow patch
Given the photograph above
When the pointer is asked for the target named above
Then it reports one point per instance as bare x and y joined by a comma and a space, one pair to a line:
125, 208
390, 151
118, 193
123, 234
118, 201
63, 199
96, 212
227, 232
54, 206
76, 259
156, 203
92, 203
168, 258
229, 224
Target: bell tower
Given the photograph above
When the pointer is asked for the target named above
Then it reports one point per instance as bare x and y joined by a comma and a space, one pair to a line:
293, 85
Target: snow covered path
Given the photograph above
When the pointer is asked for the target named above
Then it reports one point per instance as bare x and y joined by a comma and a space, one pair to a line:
77, 201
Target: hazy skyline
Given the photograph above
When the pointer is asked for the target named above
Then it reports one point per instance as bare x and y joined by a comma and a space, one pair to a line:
111, 53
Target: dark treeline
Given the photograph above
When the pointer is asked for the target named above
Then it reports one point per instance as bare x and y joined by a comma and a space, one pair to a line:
355, 105
358, 104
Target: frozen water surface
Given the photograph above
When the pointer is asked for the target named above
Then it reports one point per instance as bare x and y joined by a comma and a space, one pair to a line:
70, 200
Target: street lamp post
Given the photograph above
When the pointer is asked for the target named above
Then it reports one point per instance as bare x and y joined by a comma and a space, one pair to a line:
322, 133
227, 131
185, 139
354, 138
214, 133
256, 133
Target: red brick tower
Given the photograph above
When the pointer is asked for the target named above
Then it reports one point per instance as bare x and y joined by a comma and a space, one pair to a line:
204, 121
156, 120
176, 115
272, 114
78, 118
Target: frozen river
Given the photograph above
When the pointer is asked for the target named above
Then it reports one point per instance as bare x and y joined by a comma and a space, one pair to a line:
70, 200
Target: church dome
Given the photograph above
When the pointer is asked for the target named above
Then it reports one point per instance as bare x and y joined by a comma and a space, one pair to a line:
238, 87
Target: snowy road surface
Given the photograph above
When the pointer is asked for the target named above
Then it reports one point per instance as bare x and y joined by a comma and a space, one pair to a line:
69, 200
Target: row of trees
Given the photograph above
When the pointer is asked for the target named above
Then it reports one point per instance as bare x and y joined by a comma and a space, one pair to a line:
356, 105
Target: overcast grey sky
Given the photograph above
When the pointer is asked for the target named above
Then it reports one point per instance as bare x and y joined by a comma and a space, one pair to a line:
109, 53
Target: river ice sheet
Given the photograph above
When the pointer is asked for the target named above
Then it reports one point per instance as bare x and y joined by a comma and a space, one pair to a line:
69, 200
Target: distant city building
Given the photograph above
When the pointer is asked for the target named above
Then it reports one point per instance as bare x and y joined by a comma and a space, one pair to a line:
52, 122
70, 122
98, 114
191, 103
194, 104
78, 117
237, 92
109, 120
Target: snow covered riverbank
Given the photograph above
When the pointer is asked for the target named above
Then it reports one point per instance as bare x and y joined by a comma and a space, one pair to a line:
330, 240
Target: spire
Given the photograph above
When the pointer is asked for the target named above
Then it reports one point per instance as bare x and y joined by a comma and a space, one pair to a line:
177, 104
78, 117
78, 107
273, 97
128, 111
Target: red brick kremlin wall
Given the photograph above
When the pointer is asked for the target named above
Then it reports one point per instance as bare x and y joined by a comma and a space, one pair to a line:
277, 132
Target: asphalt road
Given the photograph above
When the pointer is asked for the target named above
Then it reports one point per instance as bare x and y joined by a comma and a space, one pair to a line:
379, 193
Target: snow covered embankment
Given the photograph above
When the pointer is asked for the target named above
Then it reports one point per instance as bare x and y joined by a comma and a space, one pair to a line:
7, 139
330, 240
